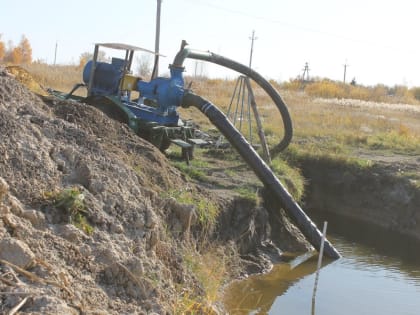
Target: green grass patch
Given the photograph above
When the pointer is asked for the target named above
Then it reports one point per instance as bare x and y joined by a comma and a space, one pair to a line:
207, 211
295, 155
248, 193
71, 201
190, 170
290, 177
196, 168
395, 140
80, 221
230, 172
227, 154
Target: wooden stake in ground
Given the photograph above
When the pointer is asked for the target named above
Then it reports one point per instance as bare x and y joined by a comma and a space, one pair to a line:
321, 253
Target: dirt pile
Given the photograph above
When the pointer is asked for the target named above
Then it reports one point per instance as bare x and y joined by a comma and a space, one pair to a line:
27, 79
45, 149
84, 224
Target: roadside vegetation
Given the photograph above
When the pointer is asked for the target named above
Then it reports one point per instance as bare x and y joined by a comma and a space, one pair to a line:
325, 88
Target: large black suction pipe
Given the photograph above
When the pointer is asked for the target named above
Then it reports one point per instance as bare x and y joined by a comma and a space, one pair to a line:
260, 168
231, 64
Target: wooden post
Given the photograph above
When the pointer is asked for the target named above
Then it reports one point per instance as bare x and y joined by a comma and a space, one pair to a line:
321, 253
266, 151
92, 70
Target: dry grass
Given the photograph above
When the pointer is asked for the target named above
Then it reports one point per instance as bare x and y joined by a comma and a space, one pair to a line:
58, 77
325, 114
332, 89
212, 267
334, 126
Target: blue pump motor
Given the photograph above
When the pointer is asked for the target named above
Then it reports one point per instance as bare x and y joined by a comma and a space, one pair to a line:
166, 92
107, 76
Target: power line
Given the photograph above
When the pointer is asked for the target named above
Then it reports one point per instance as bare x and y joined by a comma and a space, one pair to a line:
263, 18
290, 25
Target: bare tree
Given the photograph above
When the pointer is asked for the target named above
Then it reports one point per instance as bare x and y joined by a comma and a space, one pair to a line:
144, 65
86, 56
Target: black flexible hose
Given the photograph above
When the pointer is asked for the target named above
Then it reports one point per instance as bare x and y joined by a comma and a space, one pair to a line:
231, 64
74, 89
260, 168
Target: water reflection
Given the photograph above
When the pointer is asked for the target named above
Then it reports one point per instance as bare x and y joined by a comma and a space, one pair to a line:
378, 274
259, 292
373, 247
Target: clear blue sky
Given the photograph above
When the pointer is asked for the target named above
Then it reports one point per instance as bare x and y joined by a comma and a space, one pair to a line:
377, 39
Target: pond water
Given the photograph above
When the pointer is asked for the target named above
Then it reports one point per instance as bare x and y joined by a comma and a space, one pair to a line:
378, 274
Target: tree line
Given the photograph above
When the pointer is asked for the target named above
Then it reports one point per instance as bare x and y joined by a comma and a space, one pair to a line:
19, 54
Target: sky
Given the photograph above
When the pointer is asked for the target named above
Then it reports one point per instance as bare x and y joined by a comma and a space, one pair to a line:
376, 39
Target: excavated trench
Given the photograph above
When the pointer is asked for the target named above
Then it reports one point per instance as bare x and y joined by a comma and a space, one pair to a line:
372, 216
262, 233
379, 195
376, 196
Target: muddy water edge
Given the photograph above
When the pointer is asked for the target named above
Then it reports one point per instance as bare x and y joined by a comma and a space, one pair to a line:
384, 194
373, 219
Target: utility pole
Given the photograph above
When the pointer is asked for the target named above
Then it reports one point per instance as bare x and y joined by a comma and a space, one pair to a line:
252, 38
157, 40
345, 70
55, 52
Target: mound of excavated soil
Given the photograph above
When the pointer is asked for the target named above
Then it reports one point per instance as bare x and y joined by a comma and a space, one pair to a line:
129, 262
27, 79
46, 148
